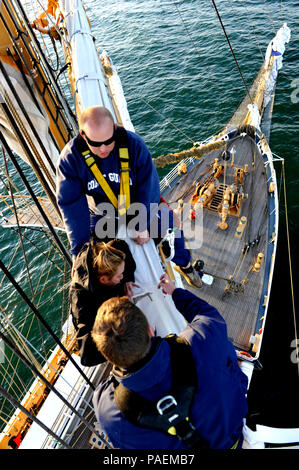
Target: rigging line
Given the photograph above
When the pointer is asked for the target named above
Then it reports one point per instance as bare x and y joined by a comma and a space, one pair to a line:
5, 421
39, 249
41, 293
42, 35
165, 119
240, 261
10, 263
65, 104
3, 181
187, 30
12, 384
14, 334
243, 259
20, 196
235, 13
17, 220
249, 219
28, 186
45, 360
39, 326
253, 29
52, 388
24, 318
290, 261
44, 233
46, 325
13, 381
50, 286
270, 17
16, 404
230, 46
50, 18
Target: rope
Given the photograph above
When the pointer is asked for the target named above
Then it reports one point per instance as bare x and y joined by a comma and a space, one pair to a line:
184, 24
39, 249
270, 17
17, 220
196, 152
233, 54
51, 387
45, 361
18, 339
45, 324
252, 27
165, 119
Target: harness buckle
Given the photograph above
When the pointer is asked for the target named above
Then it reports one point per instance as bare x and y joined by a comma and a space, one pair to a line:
165, 404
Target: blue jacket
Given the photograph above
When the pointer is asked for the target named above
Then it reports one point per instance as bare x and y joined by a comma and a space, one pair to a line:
75, 181
220, 401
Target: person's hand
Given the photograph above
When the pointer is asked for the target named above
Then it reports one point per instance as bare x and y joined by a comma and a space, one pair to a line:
142, 237
166, 285
129, 289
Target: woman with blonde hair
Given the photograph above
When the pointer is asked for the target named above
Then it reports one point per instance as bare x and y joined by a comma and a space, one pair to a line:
101, 271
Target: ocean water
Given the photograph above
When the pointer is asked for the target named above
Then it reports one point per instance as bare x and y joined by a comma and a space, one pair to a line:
182, 85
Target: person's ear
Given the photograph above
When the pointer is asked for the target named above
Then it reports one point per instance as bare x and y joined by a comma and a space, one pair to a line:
103, 279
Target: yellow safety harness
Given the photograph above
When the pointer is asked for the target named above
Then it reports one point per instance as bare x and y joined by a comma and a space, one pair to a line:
123, 202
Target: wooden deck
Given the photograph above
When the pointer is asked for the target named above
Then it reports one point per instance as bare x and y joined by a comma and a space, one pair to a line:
222, 251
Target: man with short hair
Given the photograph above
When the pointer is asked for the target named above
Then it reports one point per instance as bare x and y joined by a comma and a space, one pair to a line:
142, 365
90, 171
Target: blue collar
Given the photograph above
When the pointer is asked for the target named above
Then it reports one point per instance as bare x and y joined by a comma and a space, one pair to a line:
153, 372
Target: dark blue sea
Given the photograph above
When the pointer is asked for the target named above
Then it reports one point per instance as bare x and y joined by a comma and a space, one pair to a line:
182, 85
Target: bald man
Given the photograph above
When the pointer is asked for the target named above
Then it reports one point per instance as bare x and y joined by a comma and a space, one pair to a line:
81, 190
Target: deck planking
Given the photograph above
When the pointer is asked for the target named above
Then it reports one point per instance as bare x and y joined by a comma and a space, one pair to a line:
221, 251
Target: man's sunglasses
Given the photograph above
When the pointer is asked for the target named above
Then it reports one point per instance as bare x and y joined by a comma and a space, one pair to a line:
95, 143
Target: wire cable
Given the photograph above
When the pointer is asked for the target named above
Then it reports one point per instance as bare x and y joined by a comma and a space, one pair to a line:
230, 46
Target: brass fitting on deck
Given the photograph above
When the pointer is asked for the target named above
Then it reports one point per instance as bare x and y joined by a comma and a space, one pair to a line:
258, 263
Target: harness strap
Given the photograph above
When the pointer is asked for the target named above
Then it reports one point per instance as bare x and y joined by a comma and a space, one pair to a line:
124, 197
90, 161
124, 201
171, 413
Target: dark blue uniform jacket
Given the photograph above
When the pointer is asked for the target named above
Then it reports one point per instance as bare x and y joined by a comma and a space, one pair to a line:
220, 402
78, 193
